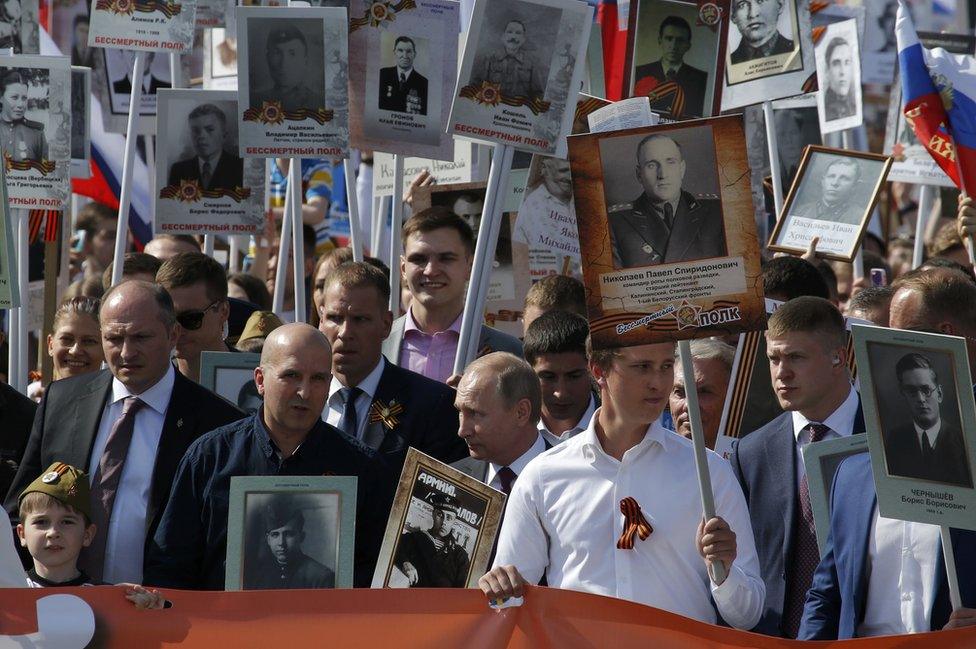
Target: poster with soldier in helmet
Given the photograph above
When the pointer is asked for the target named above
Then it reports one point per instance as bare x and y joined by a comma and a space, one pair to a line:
35, 130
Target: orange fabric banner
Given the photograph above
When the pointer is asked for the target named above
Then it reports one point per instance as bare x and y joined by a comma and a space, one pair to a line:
68, 618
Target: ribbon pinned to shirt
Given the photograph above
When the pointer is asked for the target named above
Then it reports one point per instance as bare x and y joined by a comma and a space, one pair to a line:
634, 524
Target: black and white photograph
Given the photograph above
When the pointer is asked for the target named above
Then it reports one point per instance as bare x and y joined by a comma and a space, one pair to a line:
80, 122
69, 30
441, 530
402, 70
839, 76
292, 77
797, 124
832, 198
113, 83
288, 533
150, 27
546, 221
880, 52
523, 62
675, 56
919, 413
35, 129
19, 26
231, 375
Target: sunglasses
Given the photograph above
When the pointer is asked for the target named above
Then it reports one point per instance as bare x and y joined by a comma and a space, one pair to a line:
193, 320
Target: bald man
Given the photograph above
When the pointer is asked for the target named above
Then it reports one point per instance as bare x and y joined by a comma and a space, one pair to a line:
286, 436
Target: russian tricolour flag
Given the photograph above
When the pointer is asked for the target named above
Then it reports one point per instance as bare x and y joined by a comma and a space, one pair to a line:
938, 92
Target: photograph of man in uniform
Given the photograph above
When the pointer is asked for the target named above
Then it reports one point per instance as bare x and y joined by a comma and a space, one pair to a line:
402, 88
150, 82
674, 40
288, 67
516, 71
832, 200
212, 166
11, 13
930, 448
20, 138
433, 558
81, 54
756, 21
665, 224
839, 97
281, 563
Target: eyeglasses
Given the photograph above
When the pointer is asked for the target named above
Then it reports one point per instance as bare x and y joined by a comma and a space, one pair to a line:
913, 391
193, 320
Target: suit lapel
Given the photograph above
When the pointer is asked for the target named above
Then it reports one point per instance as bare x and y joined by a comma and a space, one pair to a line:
87, 417
781, 462
864, 504
685, 230
178, 430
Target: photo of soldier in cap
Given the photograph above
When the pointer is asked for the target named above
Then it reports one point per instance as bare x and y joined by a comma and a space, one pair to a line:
20, 138
289, 72
433, 557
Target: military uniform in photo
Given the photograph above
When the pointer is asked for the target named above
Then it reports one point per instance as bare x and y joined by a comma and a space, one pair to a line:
403, 93
691, 80
23, 139
516, 74
291, 101
837, 106
841, 212
440, 563
124, 85
778, 45
302, 572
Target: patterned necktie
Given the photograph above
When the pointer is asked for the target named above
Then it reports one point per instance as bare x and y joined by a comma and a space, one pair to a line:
206, 175
350, 422
806, 552
507, 477
105, 482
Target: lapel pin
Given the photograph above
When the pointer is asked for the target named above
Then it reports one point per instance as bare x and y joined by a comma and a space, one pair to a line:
179, 423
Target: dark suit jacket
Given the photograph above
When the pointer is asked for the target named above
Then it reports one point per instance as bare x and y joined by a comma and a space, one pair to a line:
764, 461
949, 464
229, 173
743, 53
393, 96
67, 422
693, 83
124, 85
837, 599
698, 232
16, 415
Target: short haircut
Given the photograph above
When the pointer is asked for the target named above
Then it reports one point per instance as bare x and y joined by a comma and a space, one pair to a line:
706, 349
404, 39
10, 77
602, 358
658, 136
359, 274
162, 298
871, 297
208, 109
436, 218
813, 315
256, 290
946, 240
945, 295
36, 501
674, 21
557, 292
134, 263
188, 268
516, 20
285, 34
945, 262
829, 277
555, 332
874, 260
80, 305
514, 380
87, 287
790, 277
834, 43
184, 238
915, 361
850, 162
251, 345
92, 216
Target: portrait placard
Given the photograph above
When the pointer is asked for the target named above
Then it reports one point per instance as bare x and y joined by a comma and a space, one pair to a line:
436, 501
293, 78
521, 72
80, 122
821, 461
403, 66
9, 286
146, 25
880, 52
19, 26
457, 170
831, 198
202, 185
69, 30
219, 60
287, 532
667, 255
112, 83
797, 124
917, 396
231, 375
35, 130
211, 14
677, 57
769, 52
839, 76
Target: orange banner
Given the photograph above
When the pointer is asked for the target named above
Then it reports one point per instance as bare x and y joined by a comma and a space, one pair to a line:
71, 618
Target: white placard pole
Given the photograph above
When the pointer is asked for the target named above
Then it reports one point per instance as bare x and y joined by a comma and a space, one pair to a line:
382, 208
352, 203
175, 72
208, 245
23, 269
857, 268
955, 598
396, 247
149, 142
926, 200
234, 263
773, 147
718, 571
298, 240
284, 242
13, 358
125, 194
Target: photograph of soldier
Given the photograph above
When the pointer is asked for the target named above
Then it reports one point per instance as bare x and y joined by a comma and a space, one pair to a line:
402, 89
288, 78
151, 82
831, 199
20, 138
667, 223
759, 29
278, 557
215, 164
674, 40
11, 13
81, 54
841, 65
79, 126
433, 557
514, 53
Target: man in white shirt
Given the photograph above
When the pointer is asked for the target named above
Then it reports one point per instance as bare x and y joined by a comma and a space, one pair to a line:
546, 222
626, 473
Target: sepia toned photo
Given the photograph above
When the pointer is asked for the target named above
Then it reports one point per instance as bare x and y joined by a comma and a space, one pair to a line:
839, 74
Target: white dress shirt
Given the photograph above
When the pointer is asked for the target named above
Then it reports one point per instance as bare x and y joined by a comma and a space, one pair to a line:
126, 533
840, 422
572, 432
932, 433
902, 560
333, 407
518, 466
563, 519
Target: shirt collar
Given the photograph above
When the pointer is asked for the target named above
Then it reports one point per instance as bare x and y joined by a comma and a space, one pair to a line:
841, 421
212, 160
592, 448
367, 385
157, 397
406, 74
519, 465
580, 425
932, 433
409, 324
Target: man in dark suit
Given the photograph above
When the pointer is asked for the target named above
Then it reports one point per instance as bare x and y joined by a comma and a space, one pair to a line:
665, 224
674, 39
806, 344
756, 21
128, 426
213, 166
16, 415
402, 88
150, 82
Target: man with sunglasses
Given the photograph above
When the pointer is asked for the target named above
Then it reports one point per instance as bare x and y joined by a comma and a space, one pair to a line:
198, 285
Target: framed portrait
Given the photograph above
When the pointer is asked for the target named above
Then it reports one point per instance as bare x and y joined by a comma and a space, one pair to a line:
231, 375
286, 532
839, 74
80, 122
667, 255
9, 286
441, 530
676, 56
917, 396
821, 461
831, 198
219, 60
520, 73
293, 75
403, 70
457, 170
35, 99
202, 185
768, 52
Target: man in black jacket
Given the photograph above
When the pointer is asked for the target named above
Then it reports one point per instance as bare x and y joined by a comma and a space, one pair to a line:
16, 415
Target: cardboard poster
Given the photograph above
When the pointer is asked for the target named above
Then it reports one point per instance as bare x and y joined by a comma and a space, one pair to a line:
458, 170
146, 25
839, 74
